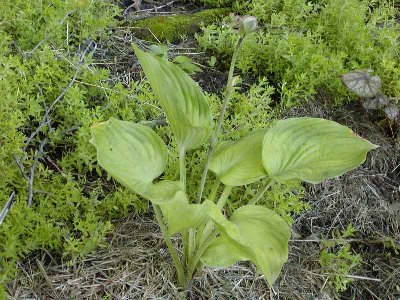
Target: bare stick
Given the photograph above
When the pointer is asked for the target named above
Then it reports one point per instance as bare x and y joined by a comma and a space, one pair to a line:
45, 119
32, 171
214, 137
46, 114
7, 207
21, 168
137, 7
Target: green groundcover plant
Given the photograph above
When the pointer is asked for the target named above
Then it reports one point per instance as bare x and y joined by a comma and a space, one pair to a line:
303, 47
42, 46
306, 149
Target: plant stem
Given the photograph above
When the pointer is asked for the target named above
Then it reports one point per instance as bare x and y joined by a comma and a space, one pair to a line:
198, 254
214, 190
224, 196
182, 178
261, 192
215, 134
221, 203
182, 166
211, 197
171, 249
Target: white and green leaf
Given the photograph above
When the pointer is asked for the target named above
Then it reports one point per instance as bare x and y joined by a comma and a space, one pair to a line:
312, 149
239, 163
180, 97
362, 83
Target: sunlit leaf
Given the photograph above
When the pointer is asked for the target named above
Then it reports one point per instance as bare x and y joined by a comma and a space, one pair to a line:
253, 233
362, 83
379, 101
224, 252
181, 215
180, 97
312, 150
239, 163
134, 155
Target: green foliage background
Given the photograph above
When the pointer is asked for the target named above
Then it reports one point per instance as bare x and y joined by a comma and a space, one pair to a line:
40, 44
304, 46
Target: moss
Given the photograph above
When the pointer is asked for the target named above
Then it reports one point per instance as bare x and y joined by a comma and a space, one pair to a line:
173, 28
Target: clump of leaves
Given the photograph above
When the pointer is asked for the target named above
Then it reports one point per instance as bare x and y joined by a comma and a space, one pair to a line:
369, 89
306, 149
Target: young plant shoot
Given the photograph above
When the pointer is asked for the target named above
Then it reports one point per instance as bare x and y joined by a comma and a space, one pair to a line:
307, 149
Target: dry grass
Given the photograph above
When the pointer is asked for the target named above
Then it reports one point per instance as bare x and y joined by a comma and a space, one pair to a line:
136, 265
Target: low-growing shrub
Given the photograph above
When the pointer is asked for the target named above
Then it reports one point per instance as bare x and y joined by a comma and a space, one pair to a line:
45, 54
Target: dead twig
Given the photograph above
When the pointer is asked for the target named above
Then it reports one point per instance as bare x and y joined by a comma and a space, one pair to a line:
136, 4
21, 168
46, 121
46, 117
7, 207
137, 7
32, 170
47, 112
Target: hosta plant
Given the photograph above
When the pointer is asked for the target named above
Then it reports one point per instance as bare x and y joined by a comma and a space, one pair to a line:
305, 149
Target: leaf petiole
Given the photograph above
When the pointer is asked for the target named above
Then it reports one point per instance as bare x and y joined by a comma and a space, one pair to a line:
261, 192
214, 137
170, 246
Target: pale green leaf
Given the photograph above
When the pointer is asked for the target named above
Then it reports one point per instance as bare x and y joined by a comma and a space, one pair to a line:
180, 97
186, 64
312, 149
223, 253
239, 163
134, 155
181, 215
253, 233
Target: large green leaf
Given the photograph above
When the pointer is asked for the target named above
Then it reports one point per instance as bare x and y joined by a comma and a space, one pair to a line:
181, 215
253, 233
312, 150
239, 163
134, 155
184, 104
223, 253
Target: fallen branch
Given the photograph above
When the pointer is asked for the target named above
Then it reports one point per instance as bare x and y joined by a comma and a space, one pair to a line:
32, 171
21, 168
7, 207
46, 117
137, 4
46, 121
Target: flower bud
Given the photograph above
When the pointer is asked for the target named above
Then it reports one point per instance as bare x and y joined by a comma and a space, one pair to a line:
249, 24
